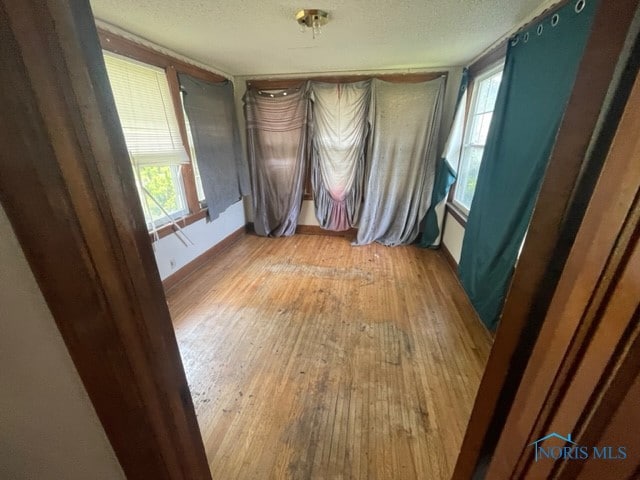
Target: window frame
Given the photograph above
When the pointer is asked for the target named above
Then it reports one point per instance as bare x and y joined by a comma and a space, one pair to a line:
455, 208
172, 66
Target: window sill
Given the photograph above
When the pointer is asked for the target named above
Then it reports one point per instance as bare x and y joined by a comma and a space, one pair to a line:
457, 213
169, 228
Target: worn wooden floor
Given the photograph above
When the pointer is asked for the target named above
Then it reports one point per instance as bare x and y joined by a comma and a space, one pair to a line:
308, 358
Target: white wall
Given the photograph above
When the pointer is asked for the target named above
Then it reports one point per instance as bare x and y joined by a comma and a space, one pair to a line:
172, 254
307, 213
48, 427
452, 236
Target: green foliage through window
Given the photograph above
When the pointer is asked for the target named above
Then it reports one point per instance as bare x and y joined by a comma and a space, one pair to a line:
163, 183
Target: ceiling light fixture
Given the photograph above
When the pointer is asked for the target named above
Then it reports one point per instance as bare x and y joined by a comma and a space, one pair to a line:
313, 19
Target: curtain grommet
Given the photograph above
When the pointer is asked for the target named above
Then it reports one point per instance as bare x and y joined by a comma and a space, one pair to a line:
539, 29
580, 4
515, 40
555, 20
525, 39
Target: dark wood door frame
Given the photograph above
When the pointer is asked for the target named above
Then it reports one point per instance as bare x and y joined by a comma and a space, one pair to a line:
574, 164
67, 186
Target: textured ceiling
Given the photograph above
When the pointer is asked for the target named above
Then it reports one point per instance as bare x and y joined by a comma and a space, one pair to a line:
261, 36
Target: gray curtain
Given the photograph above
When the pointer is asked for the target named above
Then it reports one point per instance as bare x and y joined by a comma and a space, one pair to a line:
278, 149
401, 160
340, 127
211, 113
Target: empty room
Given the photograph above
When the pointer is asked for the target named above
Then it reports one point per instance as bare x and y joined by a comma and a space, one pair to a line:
341, 240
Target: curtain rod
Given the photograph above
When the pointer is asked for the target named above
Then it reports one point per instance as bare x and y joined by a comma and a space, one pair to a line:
502, 41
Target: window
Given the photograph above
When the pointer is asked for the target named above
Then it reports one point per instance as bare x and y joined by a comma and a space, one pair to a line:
196, 173
483, 101
192, 151
151, 131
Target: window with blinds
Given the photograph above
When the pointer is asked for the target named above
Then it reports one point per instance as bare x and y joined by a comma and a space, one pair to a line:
146, 111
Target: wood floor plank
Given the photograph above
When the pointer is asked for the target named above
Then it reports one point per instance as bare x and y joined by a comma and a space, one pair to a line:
308, 358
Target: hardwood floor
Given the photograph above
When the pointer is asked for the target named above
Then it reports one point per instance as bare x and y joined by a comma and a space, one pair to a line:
308, 358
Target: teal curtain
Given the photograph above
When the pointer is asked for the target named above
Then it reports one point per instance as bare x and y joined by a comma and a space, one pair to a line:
540, 71
445, 176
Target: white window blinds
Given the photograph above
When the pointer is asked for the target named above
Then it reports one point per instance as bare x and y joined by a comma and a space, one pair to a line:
145, 108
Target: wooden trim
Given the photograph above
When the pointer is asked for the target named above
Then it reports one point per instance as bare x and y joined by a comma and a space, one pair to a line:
613, 416
317, 230
313, 230
307, 194
551, 233
281, 83
191, 192
183, 273
488, 60
498, 51
456, 213
546, 13
169, 228
449, 258
608, 325
128, 48
188, 177
453, 264
67, 186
